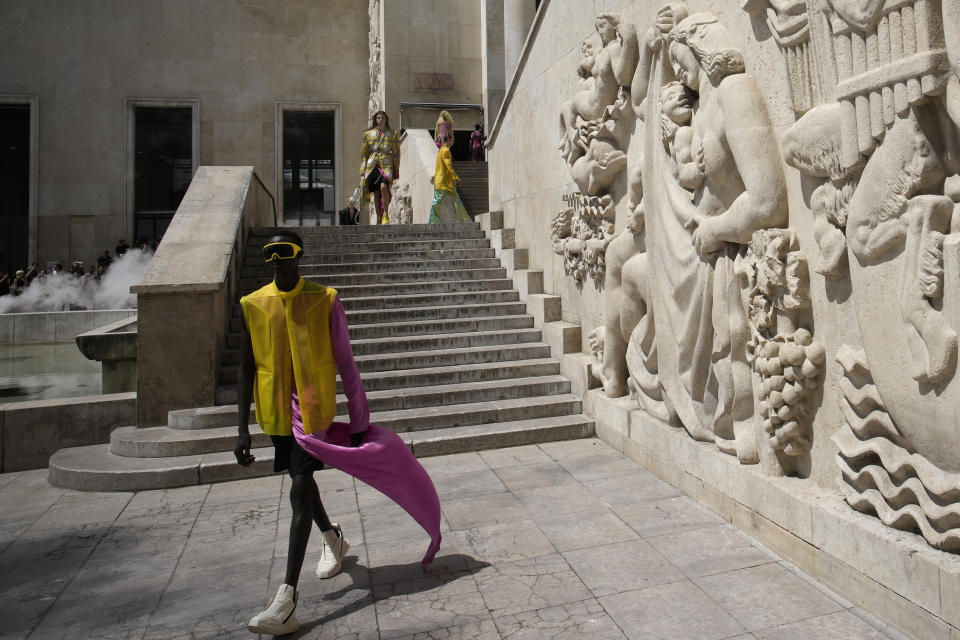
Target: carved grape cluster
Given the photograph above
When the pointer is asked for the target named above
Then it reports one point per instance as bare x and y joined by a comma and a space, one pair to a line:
789, 367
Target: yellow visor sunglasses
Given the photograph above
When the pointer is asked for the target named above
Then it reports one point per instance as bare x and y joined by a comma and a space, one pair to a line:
281, 251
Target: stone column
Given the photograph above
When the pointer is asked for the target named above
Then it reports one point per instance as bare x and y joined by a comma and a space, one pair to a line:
492, 63
517, 18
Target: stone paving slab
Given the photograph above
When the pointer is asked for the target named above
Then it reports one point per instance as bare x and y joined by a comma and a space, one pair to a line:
558, 540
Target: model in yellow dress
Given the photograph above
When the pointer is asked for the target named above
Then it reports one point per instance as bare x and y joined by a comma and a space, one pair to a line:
445, 181
380, 152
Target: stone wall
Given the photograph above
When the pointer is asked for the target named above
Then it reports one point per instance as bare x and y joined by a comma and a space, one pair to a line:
84, 60
753, 214
431, 53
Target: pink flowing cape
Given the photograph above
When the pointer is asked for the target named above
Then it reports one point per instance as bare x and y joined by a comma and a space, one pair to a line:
385, 463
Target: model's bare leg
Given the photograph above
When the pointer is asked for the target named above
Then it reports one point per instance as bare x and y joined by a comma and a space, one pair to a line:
302, 499
384, 197
319, 513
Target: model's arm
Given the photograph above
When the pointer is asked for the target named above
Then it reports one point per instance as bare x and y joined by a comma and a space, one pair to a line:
248, 371
349, 375
364, 154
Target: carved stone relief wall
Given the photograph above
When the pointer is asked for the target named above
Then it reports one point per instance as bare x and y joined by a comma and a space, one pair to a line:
375, 38
884, 158
710, 322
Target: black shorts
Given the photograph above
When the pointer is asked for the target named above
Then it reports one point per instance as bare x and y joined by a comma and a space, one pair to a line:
289, 456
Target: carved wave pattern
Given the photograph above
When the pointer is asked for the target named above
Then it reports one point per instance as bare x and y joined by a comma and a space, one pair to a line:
881, 475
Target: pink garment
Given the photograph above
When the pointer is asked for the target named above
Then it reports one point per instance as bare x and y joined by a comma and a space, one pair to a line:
383, 461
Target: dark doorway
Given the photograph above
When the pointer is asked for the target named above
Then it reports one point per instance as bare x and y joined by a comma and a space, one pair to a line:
14, 186
309, 164
460, 150
163, 139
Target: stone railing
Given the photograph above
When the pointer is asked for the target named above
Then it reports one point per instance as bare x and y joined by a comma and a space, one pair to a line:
418, 160
185, 297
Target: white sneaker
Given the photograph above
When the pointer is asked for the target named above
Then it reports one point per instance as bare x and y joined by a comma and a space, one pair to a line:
331, 558
277, 619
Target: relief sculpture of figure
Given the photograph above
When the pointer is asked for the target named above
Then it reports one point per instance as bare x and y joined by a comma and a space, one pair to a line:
888, 146
702, 331
592, 126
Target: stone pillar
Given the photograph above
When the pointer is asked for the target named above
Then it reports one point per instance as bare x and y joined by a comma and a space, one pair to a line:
517, 18
493, 69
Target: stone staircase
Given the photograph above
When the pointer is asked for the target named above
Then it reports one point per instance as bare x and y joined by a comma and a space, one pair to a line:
449, 357
473, 188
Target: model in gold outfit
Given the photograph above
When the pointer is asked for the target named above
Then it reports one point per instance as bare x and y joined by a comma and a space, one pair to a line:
380, 152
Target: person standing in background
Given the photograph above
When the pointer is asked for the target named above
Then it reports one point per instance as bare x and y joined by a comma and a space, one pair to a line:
476, 144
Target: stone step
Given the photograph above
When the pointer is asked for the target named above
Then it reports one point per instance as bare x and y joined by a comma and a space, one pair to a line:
434, 376
396, 229
410, 300
388, 257
264, 274
467, 356
162, 442
430, 286
479, 437
231, 355
387, 330
348, 245
411, 270
95, 468
422, 314
394, 399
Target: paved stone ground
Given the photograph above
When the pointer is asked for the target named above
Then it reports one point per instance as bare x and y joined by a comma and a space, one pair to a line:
561, 540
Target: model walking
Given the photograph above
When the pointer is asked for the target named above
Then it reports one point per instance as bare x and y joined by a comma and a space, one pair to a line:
445, 181
294, 342
379, 164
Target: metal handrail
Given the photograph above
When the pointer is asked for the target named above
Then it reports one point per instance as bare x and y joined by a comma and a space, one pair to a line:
436, 105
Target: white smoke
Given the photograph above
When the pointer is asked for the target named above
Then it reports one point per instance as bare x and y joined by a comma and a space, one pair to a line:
62, 291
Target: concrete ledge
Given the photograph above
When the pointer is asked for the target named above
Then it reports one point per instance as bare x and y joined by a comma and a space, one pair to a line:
514, 259
892, 574
543, 308
55, 326
501, 239
32, 431
528, 281
575, 367
563, 337
490, 220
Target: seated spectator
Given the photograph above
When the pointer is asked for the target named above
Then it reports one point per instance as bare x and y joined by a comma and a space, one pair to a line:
121, 247
350, 214
32, 273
